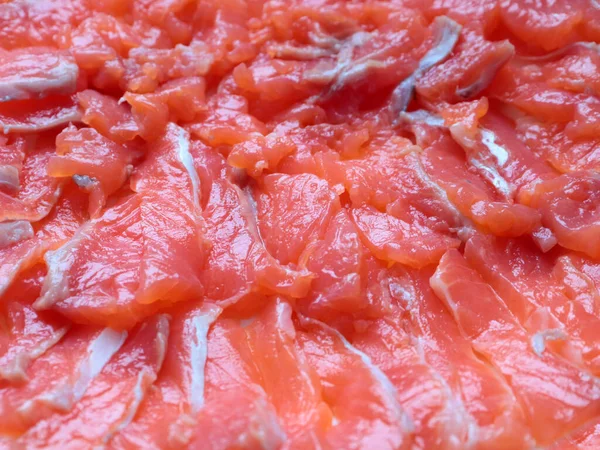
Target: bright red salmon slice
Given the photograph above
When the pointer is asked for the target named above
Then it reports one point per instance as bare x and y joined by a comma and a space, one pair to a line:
267, 225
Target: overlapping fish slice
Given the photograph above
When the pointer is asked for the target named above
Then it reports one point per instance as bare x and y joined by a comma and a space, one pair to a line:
35, 192
158, 233
178, 393
492, 414
97, 165
239, 267
27, 333
237, 412
299, 205
283, 371
548, 296
112, 398
556, 396
48, 234
363, 401
438, 415
57, 380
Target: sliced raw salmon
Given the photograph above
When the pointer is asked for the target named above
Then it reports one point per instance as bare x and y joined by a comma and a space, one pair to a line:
27, 333
363, 401
122, 384
494, 332
96, 164
51, 232
37, 192
32, 116
178, 394
486, 403
237, 412
439, 418
536, 288
58, 379
293, 205
143, 279
290, 383
35, 73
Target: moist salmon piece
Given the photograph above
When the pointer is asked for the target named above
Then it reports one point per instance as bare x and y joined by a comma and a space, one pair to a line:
122, 384
177, 395
237, 412
438, 415
293, 205
528, 85
474, 197
227, 122
337, 262
520, 175
31, 116
37, 192
28, 334
279, 365
394, 240
275, 85
58, 379
239, 265
486, 403
107, 116
587, 437
181, 99
538, 289
150, 248
350, 381
468, 72
556, 144
99, 166
550, 390
545, 24
36, 73
470, 12
350, 283
27, 24
260, 153
47, 234
569, 208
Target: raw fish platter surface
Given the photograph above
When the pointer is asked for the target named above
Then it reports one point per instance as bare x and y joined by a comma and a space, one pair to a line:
300, 224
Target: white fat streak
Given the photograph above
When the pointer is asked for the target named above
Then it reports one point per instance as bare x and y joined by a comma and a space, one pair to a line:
15, 231
441, 288
183, 152
424, 116
145, 376
445, 42
62, 76
488, 139
27, 126
538, 340
199, 352
467, 226
448, 32
58, 262
491, 173
376, 372
455, 411
100, 351
16, 368
265, 428
494, 177
486, 76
